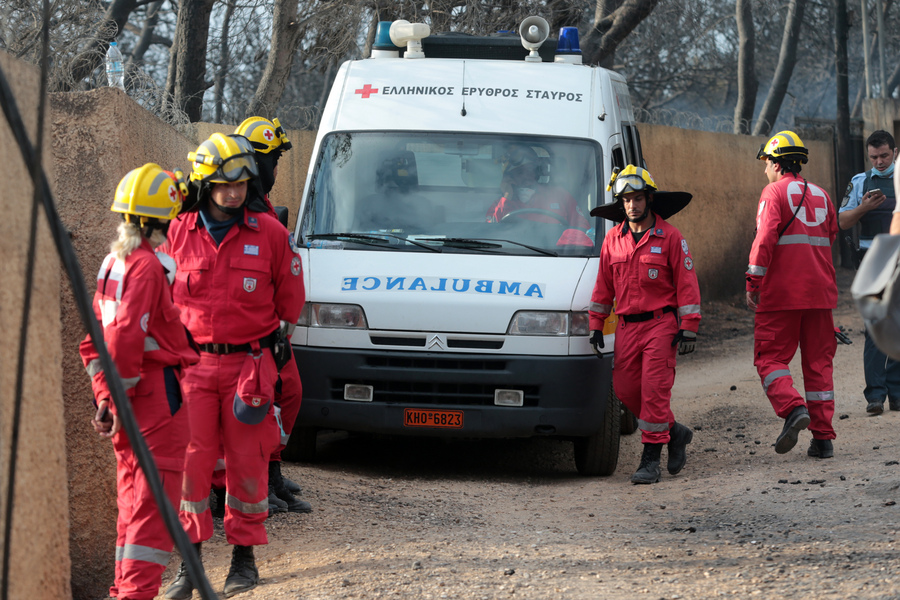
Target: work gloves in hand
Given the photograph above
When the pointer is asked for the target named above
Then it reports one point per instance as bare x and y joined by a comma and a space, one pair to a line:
685, 340
597, 342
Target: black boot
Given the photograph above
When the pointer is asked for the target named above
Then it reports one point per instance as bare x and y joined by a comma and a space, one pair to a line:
796, 421
679, 437
295, 488
649, 471
182, 588
276, 504
276, 482
242, 575
820, 448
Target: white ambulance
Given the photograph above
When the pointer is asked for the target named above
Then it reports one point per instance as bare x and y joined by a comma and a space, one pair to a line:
448, 249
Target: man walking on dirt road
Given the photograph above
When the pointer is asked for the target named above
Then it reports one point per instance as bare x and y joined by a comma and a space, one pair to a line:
646, 267
792, 287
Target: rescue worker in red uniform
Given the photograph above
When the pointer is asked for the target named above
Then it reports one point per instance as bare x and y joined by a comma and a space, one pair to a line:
646, 267
525, 196
237, 281
149, 345
791, 285
270, 141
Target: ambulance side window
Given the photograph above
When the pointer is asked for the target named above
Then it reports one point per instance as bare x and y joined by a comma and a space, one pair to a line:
632, 145
618, 158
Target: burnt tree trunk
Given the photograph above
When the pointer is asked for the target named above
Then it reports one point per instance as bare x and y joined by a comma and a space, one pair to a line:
786, 59
748, 84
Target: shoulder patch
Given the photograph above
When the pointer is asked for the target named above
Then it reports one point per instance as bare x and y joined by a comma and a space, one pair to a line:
847, 194
688, 263
684, 245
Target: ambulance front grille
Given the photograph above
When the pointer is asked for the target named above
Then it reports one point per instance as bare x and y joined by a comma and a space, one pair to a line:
426, 363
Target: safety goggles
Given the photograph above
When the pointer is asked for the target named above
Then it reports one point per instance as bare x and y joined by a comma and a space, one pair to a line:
628, 183
235, 168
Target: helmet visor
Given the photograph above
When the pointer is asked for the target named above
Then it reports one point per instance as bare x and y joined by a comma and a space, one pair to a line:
236, 168
628, 183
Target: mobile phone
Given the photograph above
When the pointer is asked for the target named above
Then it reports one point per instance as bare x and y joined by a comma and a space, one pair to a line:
104, 414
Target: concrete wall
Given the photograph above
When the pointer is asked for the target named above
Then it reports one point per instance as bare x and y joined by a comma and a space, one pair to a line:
722, 173
39, 559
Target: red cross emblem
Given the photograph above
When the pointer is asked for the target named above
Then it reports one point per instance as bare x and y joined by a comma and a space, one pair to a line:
173, 195
366, 91
268, 134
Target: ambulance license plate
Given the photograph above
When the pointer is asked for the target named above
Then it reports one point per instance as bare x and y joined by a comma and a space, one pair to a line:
425, 417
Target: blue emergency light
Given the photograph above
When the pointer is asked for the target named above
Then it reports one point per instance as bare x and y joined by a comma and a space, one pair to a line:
383, 37
568, 41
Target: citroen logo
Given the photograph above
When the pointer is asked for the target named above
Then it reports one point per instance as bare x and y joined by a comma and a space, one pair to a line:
436, 343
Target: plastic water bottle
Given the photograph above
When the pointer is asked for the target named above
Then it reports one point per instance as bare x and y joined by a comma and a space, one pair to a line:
115, 69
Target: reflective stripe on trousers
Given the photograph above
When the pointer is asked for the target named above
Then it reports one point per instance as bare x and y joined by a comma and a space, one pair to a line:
773, 376
646, 426
144, 553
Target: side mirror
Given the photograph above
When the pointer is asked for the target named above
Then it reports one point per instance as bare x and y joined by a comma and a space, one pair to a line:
282, 213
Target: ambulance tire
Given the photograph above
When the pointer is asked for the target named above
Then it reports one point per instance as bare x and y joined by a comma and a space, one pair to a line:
598, 454
301, 446
629, 421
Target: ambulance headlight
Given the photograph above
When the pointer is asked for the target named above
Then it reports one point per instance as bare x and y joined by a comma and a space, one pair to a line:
341, 316
579, 323
529, 322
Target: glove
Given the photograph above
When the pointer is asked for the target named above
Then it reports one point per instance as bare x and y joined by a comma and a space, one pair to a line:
685, 340
841, 336
597, 342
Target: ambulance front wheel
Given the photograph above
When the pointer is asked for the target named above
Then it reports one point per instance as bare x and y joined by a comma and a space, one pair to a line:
301, 446
629, 421
598, 454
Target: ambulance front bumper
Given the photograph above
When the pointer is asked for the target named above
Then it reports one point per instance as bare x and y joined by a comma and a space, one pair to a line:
453, 395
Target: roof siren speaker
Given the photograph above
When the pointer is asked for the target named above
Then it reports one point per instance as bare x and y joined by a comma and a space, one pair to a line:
533, 31
403, 33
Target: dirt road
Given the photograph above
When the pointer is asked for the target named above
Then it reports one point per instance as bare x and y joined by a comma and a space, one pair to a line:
423, 519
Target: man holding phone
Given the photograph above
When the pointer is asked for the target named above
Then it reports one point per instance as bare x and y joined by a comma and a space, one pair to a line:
870, 201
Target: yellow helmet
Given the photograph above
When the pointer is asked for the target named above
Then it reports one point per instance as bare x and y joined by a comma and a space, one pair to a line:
631, 179
264, 135
784, 144
224, 159
149, 193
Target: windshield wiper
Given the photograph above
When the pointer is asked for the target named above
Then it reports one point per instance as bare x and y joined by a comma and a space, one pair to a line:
488, 243
371, 239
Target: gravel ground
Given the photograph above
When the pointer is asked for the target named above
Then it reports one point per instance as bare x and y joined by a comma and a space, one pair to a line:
420, 518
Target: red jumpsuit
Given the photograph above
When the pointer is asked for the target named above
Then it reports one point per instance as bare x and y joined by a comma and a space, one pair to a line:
148, 344
653, 280
794, 275
290, 393
546, 198
233, 293
288, 397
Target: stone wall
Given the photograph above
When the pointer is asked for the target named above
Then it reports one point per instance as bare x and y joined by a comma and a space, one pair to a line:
39, 557
98, 136
722, 173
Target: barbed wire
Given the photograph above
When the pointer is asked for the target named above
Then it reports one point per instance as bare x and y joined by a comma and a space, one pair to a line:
687, 120
145, 91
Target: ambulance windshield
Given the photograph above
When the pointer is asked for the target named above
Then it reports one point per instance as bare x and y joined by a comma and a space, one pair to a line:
458, 192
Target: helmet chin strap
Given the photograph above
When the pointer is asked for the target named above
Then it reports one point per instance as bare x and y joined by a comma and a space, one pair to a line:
231, 210
643, 214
